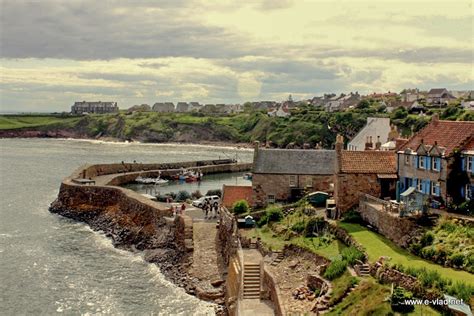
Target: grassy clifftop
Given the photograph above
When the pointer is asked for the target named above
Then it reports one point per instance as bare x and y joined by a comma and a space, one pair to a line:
306, 125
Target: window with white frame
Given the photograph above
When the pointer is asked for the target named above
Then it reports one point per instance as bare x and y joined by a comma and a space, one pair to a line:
407, 159
419, 185
271, 198
293, 181
435, 163
309, 182
469, 191
469, 162
421, 162
435, 188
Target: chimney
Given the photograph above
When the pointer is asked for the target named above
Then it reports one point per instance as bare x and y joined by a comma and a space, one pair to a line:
256, 145
367, 144
339, 148
378, 144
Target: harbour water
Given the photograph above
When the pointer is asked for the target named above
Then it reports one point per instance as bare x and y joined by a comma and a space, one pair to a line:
53, 265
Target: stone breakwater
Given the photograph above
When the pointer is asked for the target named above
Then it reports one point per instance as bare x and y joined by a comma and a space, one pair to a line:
132, 221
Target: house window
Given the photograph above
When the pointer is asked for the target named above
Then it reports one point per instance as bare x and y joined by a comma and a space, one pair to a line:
436, 163
470, 162
292, 181
407, 159
421, 162
419, 185
435, 189
271, 198
309, 182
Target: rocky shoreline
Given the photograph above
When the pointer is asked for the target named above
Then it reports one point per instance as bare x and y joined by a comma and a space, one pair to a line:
160, 249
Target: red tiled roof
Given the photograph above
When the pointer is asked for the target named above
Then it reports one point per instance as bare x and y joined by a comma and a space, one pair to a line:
448, 134
470, 145
234, 193
368, 162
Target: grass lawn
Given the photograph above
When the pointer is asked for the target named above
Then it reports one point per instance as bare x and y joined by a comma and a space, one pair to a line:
369, 298
22, 121
340, 285
329, 250
376, 246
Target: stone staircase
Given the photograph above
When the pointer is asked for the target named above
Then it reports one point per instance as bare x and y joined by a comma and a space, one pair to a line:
251, 280
363, 270
279, 258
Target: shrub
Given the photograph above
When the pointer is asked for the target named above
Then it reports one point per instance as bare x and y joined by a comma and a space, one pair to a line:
273, 214
428, 252
352, 216
416, 248
335, 269
182, 196
351, 255
428, 278
214, 192
461, 290
196, 194
457, 259
298, 227
240, 207
315, 224
397, 300
427, 239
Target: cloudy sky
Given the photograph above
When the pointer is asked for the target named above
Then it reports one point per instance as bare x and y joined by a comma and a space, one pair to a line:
53, 53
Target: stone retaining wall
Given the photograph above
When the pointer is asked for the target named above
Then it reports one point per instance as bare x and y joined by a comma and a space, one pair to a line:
271, 286
346, 238
398, 229
184, 232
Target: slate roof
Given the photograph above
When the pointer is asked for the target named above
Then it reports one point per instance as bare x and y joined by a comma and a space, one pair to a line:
234, 193
448, 134
437, 92
376, 126
295, 161
382, 162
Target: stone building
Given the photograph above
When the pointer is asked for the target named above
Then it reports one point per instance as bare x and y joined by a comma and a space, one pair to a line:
426, 160
287, 174
372, 172
96, 107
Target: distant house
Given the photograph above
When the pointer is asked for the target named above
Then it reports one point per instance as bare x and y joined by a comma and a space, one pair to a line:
468, 105
166, 107
139, 108
410, 95
285, 174
209, 108
182, 107
426, 160
96, 107
194, 106
439, 97
232, 108
280, 111
377, 128
234, 193
334, 103
370, 172
382, 96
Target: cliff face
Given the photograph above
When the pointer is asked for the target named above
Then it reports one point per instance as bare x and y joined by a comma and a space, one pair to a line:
130, 224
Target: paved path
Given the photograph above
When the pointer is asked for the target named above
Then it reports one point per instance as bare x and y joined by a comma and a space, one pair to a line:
449, 214
254, 307
205, 259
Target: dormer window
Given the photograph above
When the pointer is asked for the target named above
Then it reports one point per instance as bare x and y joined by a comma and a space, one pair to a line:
421, 162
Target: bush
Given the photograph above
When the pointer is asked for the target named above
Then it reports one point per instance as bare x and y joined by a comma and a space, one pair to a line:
315, 224
298, 227
214, 192
427, 239
351, 255
182, 196
196, 194
240, 207
273, 214
457, 259
336, 268
428, 252
352, 216
461, 290
397, 301
416, 248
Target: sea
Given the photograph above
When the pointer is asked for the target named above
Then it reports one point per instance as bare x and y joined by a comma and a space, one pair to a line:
53, 265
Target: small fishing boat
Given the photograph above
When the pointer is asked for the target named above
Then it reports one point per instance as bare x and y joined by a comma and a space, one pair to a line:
248, 176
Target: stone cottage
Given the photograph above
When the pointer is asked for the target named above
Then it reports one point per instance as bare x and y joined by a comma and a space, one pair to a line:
426, 160
372, 172
287, 174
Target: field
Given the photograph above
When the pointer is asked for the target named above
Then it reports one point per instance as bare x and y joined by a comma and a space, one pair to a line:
34, 121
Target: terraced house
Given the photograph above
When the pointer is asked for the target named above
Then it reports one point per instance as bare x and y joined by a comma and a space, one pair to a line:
438, 162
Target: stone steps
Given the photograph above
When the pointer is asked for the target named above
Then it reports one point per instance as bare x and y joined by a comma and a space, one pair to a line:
251, 286
279, 258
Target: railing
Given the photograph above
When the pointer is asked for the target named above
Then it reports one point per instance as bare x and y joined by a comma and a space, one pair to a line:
386, 206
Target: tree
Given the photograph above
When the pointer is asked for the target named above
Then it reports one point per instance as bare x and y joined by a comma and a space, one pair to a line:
240, 207
363, 104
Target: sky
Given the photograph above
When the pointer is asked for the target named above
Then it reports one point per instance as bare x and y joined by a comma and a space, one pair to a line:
53, 53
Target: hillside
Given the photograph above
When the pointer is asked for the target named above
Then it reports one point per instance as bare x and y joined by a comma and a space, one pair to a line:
305, 126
